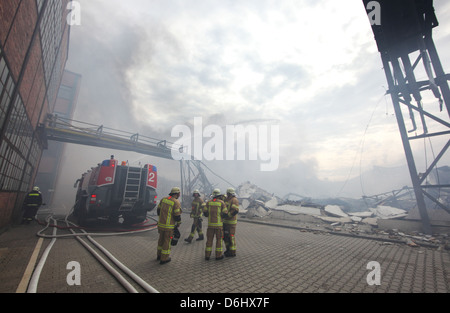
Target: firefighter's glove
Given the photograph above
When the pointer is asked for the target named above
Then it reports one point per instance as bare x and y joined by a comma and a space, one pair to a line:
178, 220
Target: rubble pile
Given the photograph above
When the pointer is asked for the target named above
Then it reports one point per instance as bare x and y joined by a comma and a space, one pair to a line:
256, 203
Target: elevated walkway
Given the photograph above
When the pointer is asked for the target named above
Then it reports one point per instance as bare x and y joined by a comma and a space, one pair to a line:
72, 131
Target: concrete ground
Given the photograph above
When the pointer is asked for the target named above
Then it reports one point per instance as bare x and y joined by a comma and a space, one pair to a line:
270, 259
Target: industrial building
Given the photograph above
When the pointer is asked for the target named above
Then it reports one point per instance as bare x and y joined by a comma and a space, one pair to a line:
34, 44
48, 173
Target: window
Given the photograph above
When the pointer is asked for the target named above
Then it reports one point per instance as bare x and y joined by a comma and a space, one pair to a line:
14, 149
6, 89
15, 172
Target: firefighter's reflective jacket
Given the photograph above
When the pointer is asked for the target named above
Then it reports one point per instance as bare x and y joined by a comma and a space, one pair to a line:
233, 209
169, 212
33, 199
215, 210
197, 210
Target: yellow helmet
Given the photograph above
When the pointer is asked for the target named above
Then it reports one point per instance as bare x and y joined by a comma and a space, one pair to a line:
36, 188
216, 192
175, 190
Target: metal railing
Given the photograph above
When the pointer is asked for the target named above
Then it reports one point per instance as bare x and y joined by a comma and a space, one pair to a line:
72, 131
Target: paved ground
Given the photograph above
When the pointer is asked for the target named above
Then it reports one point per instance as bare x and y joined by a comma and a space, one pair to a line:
269, 260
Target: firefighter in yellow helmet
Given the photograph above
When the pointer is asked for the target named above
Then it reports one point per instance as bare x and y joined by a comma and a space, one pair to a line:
31, 205
196, 214
169, 212
215, 210
230, 222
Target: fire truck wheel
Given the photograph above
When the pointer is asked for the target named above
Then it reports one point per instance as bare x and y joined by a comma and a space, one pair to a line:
133, 219
82, 215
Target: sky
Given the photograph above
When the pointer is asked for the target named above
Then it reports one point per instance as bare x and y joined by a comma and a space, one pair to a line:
310, 67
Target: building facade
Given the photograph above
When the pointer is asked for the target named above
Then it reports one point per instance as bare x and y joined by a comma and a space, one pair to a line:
48, 173
34, 43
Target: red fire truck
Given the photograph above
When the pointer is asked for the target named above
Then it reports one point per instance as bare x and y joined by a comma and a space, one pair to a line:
112, 191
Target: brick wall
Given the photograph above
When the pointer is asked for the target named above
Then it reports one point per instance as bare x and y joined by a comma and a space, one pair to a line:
20, 34
8, 10
21, 41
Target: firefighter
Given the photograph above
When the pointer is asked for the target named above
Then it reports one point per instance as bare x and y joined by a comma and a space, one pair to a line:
169, 212
215, 210
196, 214
31, 205
230, 223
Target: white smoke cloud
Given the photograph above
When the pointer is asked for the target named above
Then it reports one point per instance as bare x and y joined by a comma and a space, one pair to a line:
148, 66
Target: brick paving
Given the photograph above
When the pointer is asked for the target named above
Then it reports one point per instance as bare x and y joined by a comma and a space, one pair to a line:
269, 260
16, 248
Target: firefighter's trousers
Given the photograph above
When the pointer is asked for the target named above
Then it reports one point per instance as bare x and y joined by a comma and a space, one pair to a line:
229, 237
30, 211
196, 226
210, 233
164, 243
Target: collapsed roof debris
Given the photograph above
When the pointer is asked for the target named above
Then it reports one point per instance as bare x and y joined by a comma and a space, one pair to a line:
336, 214
256, 202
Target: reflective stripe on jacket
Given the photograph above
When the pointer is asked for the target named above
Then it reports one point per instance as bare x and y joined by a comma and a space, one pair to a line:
33, 198
232, 206
215, 208
197, 207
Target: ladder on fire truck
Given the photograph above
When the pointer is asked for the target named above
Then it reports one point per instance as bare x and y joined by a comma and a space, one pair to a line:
132, 188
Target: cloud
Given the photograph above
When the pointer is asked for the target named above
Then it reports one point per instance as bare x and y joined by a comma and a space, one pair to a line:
242, 59
148, 66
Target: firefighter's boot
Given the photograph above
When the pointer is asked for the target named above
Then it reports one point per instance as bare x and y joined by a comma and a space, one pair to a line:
200, 237
165, 262
188, 239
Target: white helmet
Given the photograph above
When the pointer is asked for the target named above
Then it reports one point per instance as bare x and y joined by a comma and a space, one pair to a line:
175, 190
231, 191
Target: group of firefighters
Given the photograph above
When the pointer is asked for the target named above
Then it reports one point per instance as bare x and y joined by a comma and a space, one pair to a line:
221, 212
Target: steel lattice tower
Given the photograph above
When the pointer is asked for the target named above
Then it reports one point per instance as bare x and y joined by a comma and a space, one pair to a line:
403, 32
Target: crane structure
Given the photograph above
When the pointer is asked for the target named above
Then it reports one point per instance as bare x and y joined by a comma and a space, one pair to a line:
414, 73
